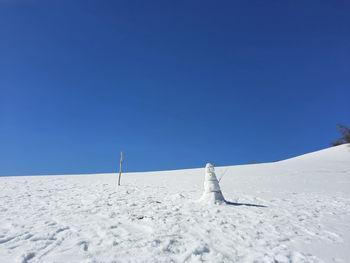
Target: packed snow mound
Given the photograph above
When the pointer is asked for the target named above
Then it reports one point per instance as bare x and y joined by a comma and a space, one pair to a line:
297, 210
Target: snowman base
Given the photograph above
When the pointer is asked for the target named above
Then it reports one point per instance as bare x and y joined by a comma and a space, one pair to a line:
212, 198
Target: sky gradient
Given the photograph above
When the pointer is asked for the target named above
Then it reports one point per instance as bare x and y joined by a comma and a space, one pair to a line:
172, 84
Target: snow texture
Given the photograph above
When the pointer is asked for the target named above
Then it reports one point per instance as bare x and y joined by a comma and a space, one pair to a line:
212, 192
297, 210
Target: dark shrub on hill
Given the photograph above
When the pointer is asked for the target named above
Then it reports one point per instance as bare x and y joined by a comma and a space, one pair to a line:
345, 133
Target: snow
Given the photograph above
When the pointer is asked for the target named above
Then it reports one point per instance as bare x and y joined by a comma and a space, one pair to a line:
297, 210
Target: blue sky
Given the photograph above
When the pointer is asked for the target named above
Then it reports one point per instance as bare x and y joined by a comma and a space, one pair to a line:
173, 84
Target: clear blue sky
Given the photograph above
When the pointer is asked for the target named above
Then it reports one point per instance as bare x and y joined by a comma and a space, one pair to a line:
173, 84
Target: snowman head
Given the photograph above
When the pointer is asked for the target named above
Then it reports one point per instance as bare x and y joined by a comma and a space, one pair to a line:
209, 172
209, 168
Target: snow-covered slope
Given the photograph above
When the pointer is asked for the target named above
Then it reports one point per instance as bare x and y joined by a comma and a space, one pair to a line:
297, 210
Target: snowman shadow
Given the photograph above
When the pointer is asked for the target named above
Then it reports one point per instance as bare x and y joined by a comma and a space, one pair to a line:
244, 204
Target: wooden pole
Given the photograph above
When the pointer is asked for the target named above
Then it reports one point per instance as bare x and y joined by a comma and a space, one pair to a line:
120, 169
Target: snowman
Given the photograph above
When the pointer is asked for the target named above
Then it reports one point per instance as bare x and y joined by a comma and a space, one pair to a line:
212, 193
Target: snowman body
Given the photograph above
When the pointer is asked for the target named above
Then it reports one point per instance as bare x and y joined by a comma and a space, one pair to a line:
212, 192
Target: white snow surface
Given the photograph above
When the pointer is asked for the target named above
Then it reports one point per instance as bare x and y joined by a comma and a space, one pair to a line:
296, 210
